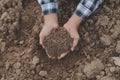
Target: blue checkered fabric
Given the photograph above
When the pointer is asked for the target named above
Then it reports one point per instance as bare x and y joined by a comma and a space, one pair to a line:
84, 9
49, 6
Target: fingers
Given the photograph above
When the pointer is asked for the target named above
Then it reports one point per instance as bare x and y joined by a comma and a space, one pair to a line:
50, 57
66, 27
42, 37
63, 55
74, 34
42, 40
75, 42
43, 34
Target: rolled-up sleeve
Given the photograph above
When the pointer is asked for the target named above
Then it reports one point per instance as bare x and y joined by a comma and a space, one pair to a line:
86, 7
48, 6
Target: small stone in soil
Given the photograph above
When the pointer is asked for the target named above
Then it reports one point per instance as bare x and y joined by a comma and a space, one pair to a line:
21, 42
4, 15
107, 78
118, 47
18, 71
116, 60
43, 73
2, 46
105, 39
112, 69
16, 65
93, 68
7, 65
35, 60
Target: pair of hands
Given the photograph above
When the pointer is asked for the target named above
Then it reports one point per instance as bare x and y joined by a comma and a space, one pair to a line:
51, 22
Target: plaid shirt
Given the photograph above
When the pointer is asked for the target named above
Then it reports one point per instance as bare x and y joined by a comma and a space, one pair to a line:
84, 9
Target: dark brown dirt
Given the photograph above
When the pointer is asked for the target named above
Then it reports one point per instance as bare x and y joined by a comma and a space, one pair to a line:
58, 42
22, 58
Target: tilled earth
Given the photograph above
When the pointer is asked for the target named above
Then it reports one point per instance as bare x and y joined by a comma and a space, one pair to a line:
22, 58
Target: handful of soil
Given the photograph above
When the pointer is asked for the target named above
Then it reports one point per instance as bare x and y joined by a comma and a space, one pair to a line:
58, 42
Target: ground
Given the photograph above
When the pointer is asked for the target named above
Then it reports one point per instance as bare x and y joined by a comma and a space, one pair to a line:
22, 58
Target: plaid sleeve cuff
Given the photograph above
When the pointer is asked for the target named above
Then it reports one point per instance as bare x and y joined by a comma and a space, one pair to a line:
49, 8
82, 11
86, 7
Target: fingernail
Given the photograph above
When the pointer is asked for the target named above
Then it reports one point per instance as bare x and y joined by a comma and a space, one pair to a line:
72, 49
43, 47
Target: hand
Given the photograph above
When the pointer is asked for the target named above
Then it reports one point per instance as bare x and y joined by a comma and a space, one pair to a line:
51, 22
73, 34
45, 32
72, 30
72, 27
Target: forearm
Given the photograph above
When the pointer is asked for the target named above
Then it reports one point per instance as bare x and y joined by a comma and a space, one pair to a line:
86, 7
51, 20
49, 10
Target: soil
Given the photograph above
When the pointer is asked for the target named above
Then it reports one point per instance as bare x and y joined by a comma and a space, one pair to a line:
58, 42
22, 58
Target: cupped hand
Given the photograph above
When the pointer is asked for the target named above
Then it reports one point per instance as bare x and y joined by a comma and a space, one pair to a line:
73, 31
45, 32
50, 23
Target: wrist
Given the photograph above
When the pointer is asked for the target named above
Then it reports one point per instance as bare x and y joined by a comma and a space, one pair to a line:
75, 21
50, 18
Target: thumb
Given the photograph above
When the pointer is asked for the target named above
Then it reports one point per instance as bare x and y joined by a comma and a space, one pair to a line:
42, 40
75, 42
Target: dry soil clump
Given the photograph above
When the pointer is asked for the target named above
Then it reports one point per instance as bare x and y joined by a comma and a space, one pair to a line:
58, 42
